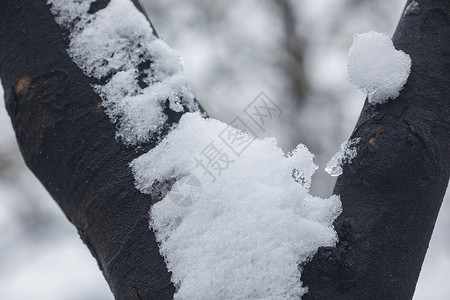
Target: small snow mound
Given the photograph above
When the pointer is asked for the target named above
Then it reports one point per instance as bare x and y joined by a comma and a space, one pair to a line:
343, 156
376, 67
244, 233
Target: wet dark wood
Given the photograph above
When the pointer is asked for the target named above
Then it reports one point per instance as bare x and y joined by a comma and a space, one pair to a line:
392, 191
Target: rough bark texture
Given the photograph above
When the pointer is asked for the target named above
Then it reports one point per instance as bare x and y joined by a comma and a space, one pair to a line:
69, 143
392, 191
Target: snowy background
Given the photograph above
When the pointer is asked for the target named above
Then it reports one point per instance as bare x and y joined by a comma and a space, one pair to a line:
294, 51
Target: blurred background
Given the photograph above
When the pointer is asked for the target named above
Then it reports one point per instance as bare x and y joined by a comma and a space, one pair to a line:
293, 51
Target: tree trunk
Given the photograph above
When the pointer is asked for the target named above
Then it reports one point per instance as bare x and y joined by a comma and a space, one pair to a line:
391, 192
69, 143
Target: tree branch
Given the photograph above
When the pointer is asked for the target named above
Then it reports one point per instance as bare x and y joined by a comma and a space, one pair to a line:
392, 191
69, 143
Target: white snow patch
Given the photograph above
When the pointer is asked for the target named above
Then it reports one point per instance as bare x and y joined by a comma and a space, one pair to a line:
67, 12
245, 237
115, 44
376, 67
343, 156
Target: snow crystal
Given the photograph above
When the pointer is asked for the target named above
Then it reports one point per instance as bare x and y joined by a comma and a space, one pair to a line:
249, 228
343, 156
67, 11
376, 67
412, 8
116, 45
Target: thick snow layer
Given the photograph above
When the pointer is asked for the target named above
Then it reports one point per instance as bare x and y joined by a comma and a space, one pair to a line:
245, 233
115, 45
343, 156
376, 67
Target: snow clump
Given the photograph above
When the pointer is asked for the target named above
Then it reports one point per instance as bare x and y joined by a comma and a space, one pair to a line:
254, 223
376, 67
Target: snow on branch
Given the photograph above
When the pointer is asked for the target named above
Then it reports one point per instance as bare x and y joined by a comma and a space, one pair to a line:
376, 67
240, 235
246, 232
138, 74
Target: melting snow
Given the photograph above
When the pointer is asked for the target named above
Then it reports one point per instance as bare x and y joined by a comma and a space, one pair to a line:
343, 156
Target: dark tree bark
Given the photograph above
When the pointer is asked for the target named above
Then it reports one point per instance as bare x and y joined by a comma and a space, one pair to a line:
391, 193
69, 143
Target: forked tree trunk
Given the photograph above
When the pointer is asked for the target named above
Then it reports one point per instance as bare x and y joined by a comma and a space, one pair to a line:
391, 193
